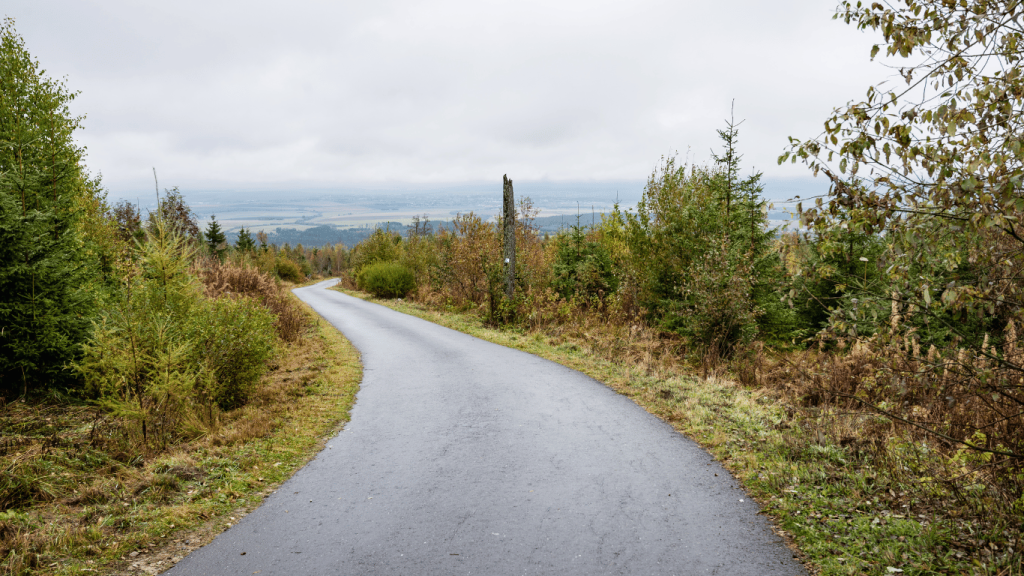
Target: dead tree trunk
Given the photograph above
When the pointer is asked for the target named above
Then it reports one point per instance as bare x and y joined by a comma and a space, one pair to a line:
509, 222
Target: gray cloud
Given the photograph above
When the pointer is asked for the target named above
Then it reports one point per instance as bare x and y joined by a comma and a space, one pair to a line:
312, 93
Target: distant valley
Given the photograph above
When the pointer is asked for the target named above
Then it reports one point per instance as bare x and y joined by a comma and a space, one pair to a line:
320, 217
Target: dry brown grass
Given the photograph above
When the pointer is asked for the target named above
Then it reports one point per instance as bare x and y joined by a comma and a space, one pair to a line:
232, 279
914, 415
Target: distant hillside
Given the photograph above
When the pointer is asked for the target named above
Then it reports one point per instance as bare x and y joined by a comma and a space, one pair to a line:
327, 235
312, 237
552, 224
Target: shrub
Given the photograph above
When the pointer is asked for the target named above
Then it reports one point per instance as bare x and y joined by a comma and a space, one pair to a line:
288, 270
420, 255
468, 261
235, 340
714, 312
387, 280
381, 246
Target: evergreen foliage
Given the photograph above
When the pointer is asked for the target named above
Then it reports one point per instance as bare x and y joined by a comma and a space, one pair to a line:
163, 355
702, 255
215, 240
828, 273
582, 267
47, 268
245, 243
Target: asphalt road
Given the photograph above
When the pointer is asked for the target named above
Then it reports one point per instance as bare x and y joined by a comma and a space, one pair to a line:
465, 457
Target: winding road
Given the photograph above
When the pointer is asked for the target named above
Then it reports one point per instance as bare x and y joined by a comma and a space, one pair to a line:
465, 457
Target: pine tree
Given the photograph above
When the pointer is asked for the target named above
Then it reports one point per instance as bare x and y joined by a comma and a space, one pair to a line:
47, 268
215, 238
703, 254
730, 163
245, 243
751, 236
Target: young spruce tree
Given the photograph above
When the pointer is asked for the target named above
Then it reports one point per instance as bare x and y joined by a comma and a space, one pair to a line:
245, 243
215, 238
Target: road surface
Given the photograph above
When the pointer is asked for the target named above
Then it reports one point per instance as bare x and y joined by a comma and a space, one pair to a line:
465, 457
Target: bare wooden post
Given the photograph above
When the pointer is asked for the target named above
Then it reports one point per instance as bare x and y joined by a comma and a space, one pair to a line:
509, 221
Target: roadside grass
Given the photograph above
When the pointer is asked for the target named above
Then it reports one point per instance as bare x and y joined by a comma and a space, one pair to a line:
844, 507
70, 507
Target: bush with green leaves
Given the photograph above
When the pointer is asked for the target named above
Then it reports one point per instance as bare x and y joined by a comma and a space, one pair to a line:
287, 269
420, 254
381, 246
387, 279
714, 310
235, 340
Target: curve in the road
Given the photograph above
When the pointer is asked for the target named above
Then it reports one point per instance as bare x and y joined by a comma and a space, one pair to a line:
465, 457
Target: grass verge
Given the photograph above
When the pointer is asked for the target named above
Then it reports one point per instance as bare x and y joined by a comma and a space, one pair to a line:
845, 508
72, 508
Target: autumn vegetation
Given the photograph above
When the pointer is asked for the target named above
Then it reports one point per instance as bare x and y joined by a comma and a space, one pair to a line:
864, 372
888, 325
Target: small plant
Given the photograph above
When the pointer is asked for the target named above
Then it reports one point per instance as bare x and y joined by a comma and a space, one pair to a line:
387, 280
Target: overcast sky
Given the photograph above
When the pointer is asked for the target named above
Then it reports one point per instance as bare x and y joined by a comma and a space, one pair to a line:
231, 94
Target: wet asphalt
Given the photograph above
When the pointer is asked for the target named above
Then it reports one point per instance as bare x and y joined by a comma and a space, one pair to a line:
465, 457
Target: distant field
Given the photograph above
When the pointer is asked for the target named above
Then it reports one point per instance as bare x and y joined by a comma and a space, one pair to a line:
319, 217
